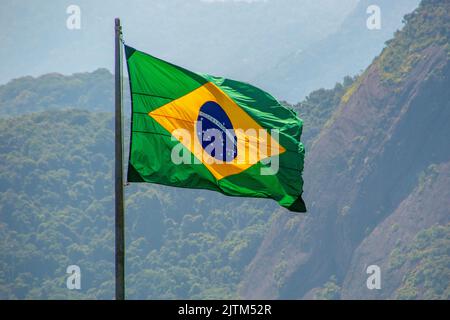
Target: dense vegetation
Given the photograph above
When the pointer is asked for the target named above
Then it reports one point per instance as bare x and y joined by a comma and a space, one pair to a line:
56, 203
92, 91
57, 210
424, 28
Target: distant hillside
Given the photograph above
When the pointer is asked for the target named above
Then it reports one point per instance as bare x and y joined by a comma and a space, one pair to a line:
377, 182
56, 202
377, 188
91, 91
345, 52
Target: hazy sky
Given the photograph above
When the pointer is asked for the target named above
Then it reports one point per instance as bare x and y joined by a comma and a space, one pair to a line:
235, 38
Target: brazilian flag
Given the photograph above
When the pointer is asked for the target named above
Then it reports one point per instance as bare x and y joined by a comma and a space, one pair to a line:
194, 130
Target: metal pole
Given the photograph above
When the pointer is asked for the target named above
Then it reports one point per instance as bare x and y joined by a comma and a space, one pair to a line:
119, 201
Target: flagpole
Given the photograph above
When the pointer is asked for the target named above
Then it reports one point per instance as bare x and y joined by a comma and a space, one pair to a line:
119, 198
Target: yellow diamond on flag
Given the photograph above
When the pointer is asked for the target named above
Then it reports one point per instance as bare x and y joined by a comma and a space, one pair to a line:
252, 142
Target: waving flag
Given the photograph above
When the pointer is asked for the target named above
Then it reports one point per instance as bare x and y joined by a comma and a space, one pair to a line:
198, 131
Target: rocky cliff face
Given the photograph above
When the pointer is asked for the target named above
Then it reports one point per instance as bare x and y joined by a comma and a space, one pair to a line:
376, 180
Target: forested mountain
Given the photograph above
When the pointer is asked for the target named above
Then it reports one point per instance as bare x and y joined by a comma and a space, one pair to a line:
56, 196
56, 203
378, 184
